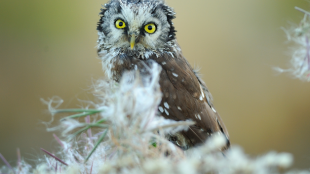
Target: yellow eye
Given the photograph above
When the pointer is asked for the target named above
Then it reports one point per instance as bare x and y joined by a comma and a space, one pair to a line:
120, 24
150, 28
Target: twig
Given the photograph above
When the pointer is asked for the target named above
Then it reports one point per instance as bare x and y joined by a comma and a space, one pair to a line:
50, 154
58, 140
97, 144
171, 125
87, 119
6, 162
302, 10
75, 110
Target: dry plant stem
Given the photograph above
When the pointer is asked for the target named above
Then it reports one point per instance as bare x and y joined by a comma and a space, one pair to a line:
88, 126
50, 154
56, 111
87, 120
78, 115
6, 162
97, 144
170, 125
91, 168
302, 10
56, 168
58, 140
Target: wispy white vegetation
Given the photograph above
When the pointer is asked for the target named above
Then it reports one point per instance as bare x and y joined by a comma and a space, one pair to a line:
299, 36
123, 133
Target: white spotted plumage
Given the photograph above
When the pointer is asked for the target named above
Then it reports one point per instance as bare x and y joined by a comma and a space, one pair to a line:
166, 112
161, 109
175, 75
166, 105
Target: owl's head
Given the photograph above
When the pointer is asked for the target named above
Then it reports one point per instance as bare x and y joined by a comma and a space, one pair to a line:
135, 26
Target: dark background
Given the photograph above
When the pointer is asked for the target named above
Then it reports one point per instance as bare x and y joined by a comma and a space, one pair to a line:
47, 48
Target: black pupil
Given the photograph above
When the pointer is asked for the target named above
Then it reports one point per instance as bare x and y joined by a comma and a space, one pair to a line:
150, 27
120, 24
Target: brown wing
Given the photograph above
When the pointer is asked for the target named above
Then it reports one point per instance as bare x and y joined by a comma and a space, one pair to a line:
184, 97
209, 100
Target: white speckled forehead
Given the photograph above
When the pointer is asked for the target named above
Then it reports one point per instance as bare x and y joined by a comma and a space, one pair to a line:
136, 14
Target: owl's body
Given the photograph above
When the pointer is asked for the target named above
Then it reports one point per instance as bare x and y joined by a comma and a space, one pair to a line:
135, 33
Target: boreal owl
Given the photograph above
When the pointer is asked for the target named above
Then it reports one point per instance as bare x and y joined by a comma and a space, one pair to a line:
135, 33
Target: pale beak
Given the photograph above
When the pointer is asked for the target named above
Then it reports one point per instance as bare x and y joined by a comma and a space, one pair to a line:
132, 41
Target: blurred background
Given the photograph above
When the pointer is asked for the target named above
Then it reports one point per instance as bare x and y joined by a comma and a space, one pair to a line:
47, 48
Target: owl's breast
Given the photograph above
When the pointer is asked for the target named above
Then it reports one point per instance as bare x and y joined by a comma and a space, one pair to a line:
125, 62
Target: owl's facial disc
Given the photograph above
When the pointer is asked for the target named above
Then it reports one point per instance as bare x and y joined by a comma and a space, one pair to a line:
142, 26
137, 33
